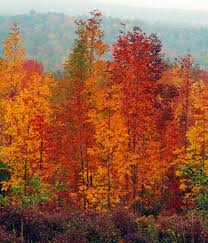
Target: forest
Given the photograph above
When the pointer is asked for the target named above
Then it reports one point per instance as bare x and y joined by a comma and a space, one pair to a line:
109, 150
48, 37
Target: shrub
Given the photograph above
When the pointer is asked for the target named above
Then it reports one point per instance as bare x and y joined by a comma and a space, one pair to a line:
147, 226
89, 226
5, 236
26, 223
126, 223
181, 229
83, 226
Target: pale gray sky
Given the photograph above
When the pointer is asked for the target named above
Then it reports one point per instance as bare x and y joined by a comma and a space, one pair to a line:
176, 4
18, 6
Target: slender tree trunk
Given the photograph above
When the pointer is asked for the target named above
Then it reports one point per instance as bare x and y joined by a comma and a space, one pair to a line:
108, 162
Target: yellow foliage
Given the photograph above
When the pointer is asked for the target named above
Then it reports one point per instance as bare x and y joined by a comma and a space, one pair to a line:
182, 187
24, 119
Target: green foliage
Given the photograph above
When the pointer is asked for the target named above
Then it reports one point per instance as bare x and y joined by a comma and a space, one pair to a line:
202, 200
37, 192
61, 187
198, 213
4, 200
148, 227
196, 177
4, 176
78, 61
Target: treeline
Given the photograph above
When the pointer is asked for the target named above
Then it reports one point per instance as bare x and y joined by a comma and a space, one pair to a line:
53, 33
131, 132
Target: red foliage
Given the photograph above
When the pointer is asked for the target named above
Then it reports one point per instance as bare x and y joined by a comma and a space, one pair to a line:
32, 67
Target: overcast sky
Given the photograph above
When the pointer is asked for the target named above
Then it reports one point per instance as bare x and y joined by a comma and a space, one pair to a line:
177, 4
18, 6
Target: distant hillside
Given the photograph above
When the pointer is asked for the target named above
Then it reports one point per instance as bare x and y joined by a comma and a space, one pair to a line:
122, 9
48, 37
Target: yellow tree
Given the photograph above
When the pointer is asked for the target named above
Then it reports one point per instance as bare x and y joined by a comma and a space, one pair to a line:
109, 146
198, 133
13, 71
25, 118
182, 76
193, 168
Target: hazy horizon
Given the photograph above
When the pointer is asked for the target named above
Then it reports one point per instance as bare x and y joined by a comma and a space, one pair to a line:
69, 6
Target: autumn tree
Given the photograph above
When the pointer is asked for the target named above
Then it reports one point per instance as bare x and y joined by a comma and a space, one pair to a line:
107, 152
169, 137
138, 66
13, 71
75, 130
26, 116
193, 166
182, 78
130, 132
184, 84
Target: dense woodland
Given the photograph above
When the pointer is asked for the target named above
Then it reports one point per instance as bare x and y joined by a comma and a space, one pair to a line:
117, 149
48, 37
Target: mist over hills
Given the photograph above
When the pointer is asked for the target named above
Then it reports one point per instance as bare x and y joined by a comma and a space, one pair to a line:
48, 36
109, 8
